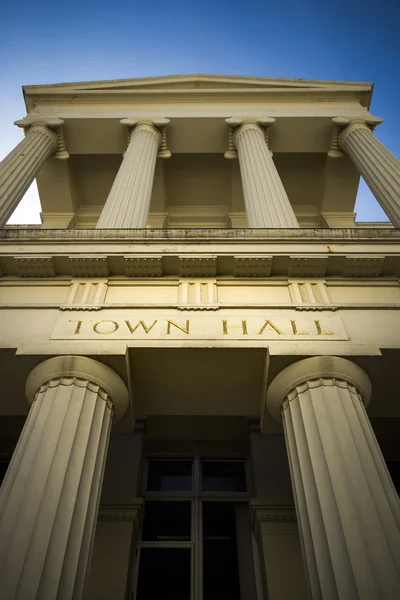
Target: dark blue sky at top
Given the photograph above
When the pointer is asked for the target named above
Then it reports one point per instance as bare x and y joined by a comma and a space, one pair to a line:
45, 42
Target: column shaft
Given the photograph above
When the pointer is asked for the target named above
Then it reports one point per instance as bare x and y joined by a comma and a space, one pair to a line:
128, 202
267, 204
379, 168
20, 167
347, 507
50, 496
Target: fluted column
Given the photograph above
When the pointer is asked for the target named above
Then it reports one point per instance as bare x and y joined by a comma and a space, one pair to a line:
347, 508
266, 201
20, 167
49, 498
128, 202
378, 167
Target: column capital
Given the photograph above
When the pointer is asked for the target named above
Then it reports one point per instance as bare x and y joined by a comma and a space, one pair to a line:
238, 125
155, 126
52, 126
67, 370
345, 126
317, 367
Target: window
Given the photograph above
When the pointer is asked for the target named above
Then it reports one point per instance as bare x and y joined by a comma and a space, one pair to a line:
223, 476
189, 543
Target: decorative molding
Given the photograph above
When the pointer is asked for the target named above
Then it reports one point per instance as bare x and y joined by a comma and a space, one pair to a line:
121, 512
34, 266
363, 265
308, 265
276, 514
143, 265
197, 265
264, 513
199, 294
86, 295
35, 233
256, 265
310, 295
89, 265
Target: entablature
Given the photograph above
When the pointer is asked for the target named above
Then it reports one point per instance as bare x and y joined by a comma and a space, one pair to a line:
200, 253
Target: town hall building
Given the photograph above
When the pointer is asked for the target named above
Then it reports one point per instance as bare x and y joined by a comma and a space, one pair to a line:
200, 345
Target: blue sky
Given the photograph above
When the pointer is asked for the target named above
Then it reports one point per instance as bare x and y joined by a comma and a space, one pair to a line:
45, 42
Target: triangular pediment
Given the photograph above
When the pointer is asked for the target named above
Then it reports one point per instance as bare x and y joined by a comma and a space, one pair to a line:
193, 83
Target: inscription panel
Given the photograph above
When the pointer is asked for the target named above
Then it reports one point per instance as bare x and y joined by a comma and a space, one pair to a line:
157, 325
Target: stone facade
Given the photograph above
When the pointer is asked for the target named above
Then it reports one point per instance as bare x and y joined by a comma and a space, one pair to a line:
199, 332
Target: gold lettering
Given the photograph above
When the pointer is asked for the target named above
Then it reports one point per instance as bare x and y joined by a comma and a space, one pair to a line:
96, 327
294, 327
169, 323
79, 324
142, 324
243, 327
319, 329
269, 323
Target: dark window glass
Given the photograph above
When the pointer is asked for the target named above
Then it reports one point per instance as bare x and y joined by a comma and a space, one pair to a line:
164, 574
220, 562
4, 462
169, 476
393, 466
223, 476
167, 521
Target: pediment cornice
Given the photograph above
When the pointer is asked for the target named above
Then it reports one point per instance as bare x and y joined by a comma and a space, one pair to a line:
197, 84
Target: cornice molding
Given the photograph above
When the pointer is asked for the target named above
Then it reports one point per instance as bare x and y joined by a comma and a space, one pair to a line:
197, 265
199, 86
199, 235
256, 265
122, 512
34, 266
143, 265
89, 265
267, 513
363, 265
57, 261
308, 265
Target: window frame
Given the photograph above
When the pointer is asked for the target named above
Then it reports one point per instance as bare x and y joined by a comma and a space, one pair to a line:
196, 496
